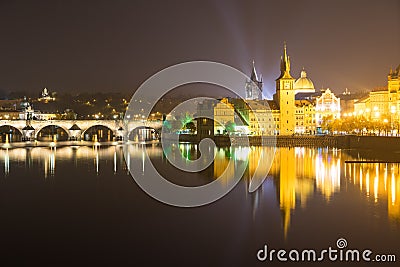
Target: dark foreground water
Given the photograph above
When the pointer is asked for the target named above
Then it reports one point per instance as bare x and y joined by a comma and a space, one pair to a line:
79, 206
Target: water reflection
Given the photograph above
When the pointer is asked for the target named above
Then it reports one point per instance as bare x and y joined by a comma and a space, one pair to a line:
296, 172
6, 162
46, 158
298, 175
379, 182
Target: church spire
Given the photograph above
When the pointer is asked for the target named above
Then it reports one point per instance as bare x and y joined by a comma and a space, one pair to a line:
254, 85
285, 64
284, 51
254, 76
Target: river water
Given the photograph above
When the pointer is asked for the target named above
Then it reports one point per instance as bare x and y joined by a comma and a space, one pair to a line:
78, 205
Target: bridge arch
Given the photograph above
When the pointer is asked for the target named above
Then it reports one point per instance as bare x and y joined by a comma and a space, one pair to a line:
53, 129
98, 132
143, 133
14, 134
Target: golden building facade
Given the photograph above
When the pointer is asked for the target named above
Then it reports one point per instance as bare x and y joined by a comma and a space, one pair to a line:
305, 117
383, 103
327, 105
224, 114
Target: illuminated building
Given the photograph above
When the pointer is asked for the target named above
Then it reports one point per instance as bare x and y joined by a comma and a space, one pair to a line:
285, 96
394, 80
256, 115
360, 107
379, 101
284, 115
28, 113
305, 117
295, 116
382, 103
9, 114
45, 96
224, 113
8, 109
260, 119
304, 84
327, 105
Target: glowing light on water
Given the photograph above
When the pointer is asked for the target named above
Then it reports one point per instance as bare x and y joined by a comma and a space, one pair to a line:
96, 141
6, 163
242, 153
115, 161
385, 176
393, 187
376, 180
97, 162
7, 143
128, 160
143, 159
46, 168
53, 143
327, 176
52, 162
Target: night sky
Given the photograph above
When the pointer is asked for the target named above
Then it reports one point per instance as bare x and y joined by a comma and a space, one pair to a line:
116, 45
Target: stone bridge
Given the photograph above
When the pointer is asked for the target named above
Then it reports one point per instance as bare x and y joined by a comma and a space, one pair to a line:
76, 129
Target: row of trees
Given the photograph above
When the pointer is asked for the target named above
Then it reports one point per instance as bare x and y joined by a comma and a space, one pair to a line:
358, 125
186, 123
181, 122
